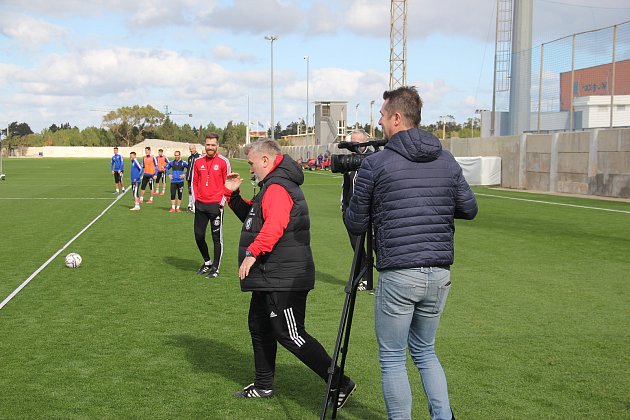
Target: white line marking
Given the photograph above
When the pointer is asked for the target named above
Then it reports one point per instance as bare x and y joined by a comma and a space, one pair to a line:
551, 202
32, 276
55, 198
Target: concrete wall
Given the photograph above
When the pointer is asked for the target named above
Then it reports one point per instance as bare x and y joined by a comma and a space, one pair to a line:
107, 152
593, 162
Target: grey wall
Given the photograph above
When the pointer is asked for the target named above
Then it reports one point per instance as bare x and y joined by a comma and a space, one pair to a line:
593, 162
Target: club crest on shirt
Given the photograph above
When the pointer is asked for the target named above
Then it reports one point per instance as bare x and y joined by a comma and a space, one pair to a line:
216, 167
248, 223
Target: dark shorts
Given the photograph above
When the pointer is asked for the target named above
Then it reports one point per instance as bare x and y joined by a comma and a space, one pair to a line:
160, 176
134, 189
118, 176
146, 179
177, 190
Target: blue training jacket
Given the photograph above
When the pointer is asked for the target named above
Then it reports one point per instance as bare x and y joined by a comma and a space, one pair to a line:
117, 164
136, 171
177, 167
412, 191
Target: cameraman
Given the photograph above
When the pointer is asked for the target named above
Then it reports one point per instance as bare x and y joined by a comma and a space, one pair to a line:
412, 190
347, 189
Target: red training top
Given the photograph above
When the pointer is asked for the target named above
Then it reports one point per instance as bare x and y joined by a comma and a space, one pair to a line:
208, 178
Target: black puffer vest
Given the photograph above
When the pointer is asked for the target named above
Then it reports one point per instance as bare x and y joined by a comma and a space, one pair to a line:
289, 266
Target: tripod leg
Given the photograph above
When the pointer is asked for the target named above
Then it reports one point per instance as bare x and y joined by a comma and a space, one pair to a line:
343, 334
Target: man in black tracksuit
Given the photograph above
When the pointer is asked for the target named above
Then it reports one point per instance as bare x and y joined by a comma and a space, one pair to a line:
276, 265
194, 155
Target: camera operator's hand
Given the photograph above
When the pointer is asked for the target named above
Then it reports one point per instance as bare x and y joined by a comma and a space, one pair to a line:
233, 181
247, 263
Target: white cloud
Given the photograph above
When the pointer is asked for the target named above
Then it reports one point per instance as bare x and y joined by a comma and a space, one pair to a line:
255, 16
225, 52
322, 19
30, 33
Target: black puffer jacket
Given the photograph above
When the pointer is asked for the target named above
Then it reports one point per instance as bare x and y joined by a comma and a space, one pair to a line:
289, 266
413, 190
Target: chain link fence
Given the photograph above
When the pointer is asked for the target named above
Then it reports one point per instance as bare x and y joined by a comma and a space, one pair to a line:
578, 82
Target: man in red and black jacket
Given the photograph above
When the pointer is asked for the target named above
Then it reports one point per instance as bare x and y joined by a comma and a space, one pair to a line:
276, 265
208, 180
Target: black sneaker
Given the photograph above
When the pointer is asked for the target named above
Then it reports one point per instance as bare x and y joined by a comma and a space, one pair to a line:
204, 268
250, 391
344, 393
213, 273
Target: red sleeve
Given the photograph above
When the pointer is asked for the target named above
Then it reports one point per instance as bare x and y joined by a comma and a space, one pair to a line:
276, 211
195, 177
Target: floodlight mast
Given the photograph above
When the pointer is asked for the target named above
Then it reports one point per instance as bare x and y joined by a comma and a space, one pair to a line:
2, 176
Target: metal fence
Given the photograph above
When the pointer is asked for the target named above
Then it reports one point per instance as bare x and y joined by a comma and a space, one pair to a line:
578, 82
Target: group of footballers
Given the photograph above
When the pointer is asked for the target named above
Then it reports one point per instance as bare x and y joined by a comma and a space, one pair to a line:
153, 171
205, 177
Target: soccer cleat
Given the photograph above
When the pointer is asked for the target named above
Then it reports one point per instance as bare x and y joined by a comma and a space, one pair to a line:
178, 210
123, 190
162, 193
154, 193
134, 208
115, 192
346, 390
250, 391
204, 268
213, 273
171, 210
150, 201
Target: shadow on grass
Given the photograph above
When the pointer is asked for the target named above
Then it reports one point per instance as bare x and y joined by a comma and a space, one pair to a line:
294, 382
181, 263
339, 279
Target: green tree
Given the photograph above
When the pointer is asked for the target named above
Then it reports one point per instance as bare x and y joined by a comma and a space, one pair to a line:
130, 123
233, 137
187, 134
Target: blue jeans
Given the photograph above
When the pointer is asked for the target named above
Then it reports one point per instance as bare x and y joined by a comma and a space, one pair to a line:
407, 310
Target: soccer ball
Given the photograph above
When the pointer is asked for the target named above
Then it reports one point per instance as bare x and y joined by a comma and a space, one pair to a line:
73, 260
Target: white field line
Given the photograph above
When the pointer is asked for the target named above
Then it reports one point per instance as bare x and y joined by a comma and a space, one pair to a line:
552, 203
32, 276
55, 198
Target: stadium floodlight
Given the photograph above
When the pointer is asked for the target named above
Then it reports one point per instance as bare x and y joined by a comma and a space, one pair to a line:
272, 38
2, 175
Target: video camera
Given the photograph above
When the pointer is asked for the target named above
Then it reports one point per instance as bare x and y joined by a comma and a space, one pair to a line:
352, 162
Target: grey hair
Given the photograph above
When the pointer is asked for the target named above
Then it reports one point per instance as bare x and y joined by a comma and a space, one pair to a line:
362, 132
264, 145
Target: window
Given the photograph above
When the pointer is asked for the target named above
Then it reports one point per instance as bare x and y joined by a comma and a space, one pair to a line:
325, 110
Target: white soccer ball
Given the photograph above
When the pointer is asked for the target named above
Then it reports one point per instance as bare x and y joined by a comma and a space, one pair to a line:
73, 260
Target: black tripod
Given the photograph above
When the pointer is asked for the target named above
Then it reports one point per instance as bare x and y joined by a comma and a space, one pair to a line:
362, 264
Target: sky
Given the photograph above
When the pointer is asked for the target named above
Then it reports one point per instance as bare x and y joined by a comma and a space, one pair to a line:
71, 61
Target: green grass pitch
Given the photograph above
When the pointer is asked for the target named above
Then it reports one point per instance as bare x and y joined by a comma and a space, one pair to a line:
537, 325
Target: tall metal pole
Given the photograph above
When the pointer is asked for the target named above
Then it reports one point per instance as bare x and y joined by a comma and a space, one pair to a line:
273, 125
247, 138
371, 119
494, 80
612, 82
520, 74
307, 59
